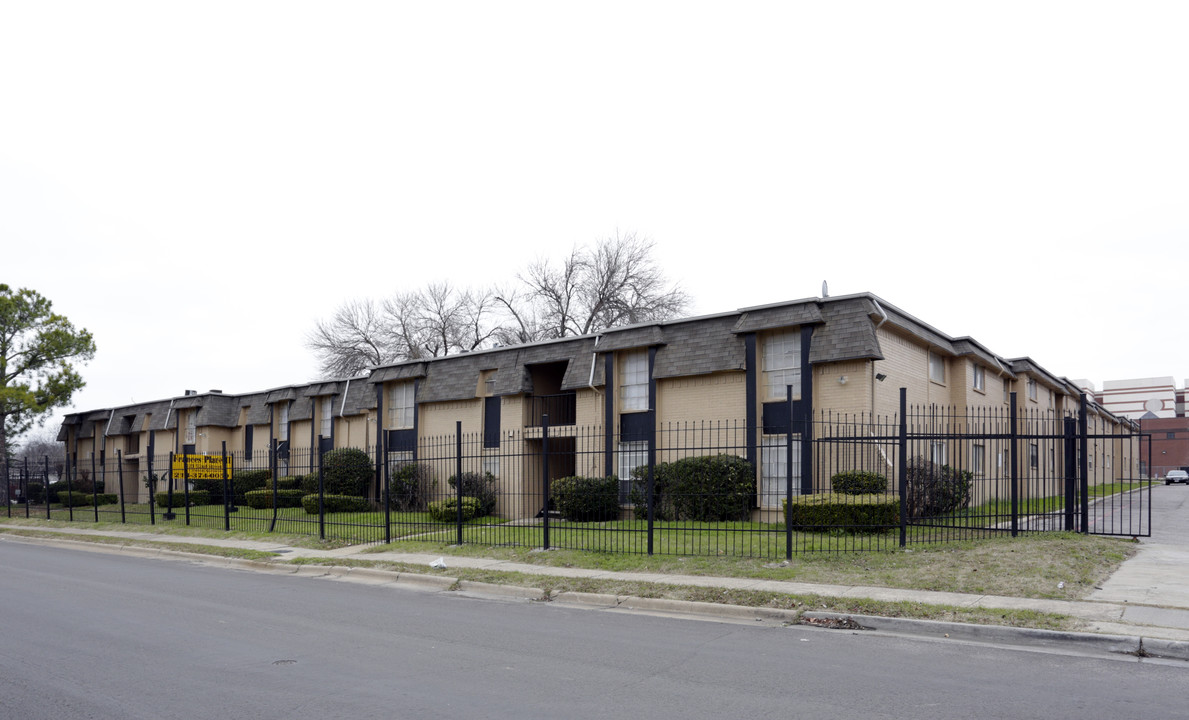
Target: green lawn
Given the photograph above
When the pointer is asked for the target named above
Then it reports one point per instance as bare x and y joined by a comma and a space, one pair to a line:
724, 539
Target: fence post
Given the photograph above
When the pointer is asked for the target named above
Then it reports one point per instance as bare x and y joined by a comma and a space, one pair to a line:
45, 484
458, 477
386, 478
7, 483
902, 467
545, 475
152, 487
272, 471
1071, 459
651, 484
222, 456
321, 495
95, 481
169, 514
1083, 465
1015, 467
186, 494
788, 477
120, 480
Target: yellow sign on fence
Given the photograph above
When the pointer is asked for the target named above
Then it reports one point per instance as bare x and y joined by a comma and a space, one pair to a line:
200, 467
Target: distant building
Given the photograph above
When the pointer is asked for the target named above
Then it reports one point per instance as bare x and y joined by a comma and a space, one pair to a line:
1159, 406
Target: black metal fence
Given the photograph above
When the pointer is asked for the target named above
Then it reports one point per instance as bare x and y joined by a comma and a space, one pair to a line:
834, 483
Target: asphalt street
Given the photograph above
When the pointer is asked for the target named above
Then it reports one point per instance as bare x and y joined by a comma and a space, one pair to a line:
110, 636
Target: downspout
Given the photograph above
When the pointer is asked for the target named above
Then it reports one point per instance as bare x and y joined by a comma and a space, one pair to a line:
883, 315
594, 356
343, 405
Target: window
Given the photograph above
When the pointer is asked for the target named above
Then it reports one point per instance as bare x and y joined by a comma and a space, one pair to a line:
980, 378
491, 463
283, 423
191, 426
327, 419
1170, 436
1033, 456
978, 455
936, 368
774, 470
1031, 389
937, 452
397, 460
1004, 460
633, 381
1006, 391
400, 406
782, 364
1052, 460
631, 456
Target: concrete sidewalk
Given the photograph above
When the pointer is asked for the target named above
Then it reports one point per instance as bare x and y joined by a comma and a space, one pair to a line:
1136, 602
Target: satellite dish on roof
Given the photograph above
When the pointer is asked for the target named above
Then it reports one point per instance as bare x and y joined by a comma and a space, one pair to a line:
825, 290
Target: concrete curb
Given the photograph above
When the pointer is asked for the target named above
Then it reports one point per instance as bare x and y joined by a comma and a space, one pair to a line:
1030, 637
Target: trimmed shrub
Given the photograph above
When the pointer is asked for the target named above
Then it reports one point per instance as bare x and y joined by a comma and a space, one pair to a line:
347, 471
936, 489
447, 510
308, 483
106, 499
286, 498
335, 503
858, 482
289, 482
63, 488
587, 499
481, 486
707, 488
197, 497
242, 482
409, 486
844, 512
66, 499
35, 492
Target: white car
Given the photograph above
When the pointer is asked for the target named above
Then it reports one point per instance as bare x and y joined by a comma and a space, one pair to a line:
1176, 476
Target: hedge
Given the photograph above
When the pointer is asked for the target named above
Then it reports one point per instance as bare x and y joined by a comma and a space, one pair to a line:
706, 488
80, 499
35, 492
823, 512
482, 487
243, 481
408, 486
197, 497
289, 482
447, 510
587, 499
936, 489
347, 471
858, 482
65, 487
335, 503
262, 499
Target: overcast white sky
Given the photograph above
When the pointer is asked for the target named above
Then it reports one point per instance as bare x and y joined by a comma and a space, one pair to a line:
198, 183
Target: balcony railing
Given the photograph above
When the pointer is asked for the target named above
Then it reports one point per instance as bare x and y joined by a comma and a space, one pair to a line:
562, 409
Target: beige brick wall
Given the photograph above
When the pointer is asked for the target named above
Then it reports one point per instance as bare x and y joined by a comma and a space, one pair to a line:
439, 419
713, 397
853, 396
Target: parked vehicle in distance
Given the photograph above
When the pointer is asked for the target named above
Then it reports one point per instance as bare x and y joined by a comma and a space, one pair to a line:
1176, 476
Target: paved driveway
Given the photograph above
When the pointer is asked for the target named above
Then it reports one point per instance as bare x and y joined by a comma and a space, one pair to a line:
1159, 574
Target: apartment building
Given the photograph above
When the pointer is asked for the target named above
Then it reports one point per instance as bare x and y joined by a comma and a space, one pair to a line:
605, 402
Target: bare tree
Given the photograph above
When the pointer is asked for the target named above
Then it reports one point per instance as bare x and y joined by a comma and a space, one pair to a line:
616, 282
437, 320
358, 336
